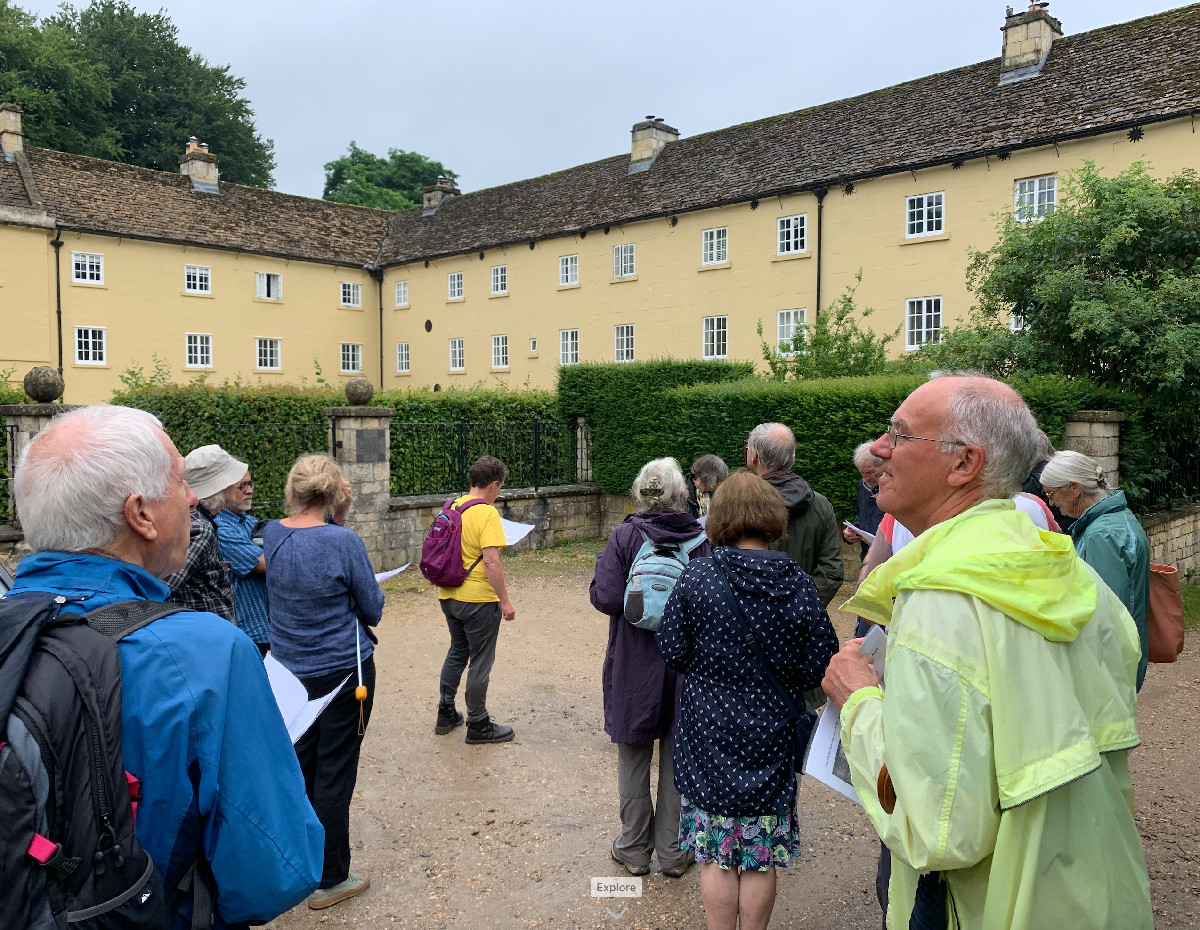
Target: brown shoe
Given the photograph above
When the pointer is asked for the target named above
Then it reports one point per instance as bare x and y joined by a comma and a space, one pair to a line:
355, 883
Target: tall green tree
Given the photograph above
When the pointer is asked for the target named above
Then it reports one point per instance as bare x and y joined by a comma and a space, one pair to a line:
393, 183
114, 83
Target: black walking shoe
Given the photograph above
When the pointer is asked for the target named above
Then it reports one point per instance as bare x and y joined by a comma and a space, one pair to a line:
485, 731
447, 719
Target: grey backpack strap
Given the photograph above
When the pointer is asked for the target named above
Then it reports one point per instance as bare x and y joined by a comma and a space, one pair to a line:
116, 621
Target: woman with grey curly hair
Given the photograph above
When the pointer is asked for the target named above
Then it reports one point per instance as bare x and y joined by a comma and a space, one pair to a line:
641, 695
1107, 535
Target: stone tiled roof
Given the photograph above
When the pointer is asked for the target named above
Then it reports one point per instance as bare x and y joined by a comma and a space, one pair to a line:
1098, 81
1106, 80
103, 196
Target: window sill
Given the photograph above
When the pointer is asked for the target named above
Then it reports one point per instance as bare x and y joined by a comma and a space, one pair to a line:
716, 266
90, 365
350, 374
792, 256
532, 355
568, 287
268, 371
198, 368
404, 374
494, 296
913, 240
623, 280
713, 358
402, 307
350, 307
501, 371
208, 296
455, 300
268, 300
90, 284
457, 371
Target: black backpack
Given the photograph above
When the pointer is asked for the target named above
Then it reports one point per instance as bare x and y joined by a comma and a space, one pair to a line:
68, 853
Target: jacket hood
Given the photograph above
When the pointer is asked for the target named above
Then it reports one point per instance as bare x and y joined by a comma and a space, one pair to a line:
765, 574
796, 492
1113, 503
996, 554
666, 525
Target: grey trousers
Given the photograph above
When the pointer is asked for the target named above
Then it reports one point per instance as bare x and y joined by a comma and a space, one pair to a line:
648, 826
474, 629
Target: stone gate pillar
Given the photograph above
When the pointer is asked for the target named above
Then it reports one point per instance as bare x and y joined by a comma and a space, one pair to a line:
23, 422
362, 447
1097, 433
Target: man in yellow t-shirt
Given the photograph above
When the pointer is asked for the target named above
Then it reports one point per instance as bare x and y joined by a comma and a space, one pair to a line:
474, 609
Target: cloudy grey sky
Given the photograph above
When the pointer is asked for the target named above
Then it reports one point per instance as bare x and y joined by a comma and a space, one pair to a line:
510, 90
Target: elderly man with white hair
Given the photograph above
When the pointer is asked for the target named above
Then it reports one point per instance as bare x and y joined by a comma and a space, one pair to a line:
993, 761
104, 505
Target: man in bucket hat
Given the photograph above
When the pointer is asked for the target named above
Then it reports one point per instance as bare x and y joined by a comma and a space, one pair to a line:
247, 566
203, 584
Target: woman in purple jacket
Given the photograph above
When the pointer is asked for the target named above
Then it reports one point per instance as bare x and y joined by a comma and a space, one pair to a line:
641, 694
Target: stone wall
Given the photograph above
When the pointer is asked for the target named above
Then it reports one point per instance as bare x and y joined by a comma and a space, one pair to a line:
1175, 540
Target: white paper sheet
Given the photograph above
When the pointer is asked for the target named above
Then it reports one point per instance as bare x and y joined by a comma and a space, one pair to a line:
825, 761
381, 577
869, 537
299, 713
515, 532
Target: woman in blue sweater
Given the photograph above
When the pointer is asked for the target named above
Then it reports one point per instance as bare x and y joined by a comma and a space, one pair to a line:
735, 747
321, 589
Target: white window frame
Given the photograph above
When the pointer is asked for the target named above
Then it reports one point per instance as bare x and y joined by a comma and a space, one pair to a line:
1035, 197
353, 356
197, 279
402, 358
1017, 322
197, 350
351, 294
788, 324
533, 345
454, 285
401, 293
925, 215
625, 260
714, 246
500, 352
568, 270
87, 268
262, 285
268, 349
714, 337
499, 280
458, 354
568, 347
623, 343
928, 312
96, 345
791, 234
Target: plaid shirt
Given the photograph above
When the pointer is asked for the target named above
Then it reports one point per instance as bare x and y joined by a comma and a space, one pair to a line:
203, 582
249, 590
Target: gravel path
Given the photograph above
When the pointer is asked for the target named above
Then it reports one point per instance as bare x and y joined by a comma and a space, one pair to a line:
509, 836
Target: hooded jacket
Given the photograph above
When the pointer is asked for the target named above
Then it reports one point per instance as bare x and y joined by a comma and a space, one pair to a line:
1111, 540
640, 692
813, 537
1005, 726
736, 744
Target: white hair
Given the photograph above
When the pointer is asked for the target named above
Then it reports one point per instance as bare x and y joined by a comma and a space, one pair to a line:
775, 452
660, 486
863, 457
1006, 431
1066, 467
214, 502
70, 494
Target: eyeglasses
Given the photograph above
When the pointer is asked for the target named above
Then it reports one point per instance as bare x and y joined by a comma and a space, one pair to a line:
893, 437
246, 486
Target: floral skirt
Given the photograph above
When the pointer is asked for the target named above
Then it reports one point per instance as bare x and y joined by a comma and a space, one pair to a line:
752, 844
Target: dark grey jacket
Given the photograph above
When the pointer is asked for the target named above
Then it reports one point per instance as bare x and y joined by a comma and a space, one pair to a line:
813, 538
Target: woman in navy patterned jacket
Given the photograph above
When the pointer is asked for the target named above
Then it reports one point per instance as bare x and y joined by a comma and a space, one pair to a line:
735, 745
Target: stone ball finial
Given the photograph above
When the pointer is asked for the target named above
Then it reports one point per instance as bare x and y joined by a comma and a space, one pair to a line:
359, 391
44, 385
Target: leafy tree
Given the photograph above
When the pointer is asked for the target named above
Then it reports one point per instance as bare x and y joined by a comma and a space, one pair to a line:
835, 346
111, 82
393, 183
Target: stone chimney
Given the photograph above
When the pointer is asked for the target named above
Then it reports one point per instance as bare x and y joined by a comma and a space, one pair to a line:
650, 137
200, 166
436, 193
1027, 40
11, 136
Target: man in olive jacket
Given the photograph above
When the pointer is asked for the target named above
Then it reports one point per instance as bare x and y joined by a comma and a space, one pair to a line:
812, 537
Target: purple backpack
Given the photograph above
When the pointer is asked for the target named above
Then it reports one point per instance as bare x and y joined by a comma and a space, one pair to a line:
441, 553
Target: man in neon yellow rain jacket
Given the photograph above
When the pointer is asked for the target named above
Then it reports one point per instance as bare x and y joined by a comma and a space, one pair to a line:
995, 763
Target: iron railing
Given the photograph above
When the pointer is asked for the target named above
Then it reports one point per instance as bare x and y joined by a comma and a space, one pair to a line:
1179, 481
434, 458
6, 461
271, 449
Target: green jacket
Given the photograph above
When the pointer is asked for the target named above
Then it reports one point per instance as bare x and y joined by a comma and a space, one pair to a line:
814, 538
1111, 540
1005, 726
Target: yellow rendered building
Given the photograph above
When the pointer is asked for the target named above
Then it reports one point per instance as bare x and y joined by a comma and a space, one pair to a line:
682, 247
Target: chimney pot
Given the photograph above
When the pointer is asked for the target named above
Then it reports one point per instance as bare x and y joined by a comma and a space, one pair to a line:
649, 138
437, 192
12, 137
200, 165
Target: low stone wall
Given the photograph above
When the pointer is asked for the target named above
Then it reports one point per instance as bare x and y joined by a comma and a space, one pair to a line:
1175, 539
13, 548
